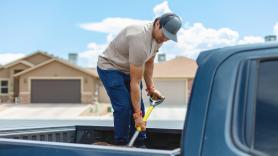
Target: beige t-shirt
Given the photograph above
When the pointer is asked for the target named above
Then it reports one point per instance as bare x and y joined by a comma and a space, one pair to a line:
133, 45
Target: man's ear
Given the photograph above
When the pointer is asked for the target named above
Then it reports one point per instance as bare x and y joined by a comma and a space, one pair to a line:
157, 23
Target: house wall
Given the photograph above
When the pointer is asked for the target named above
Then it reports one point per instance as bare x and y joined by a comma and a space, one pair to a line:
4, 73
103, 97
189, 87
174, 90
12, 69
8, 74
37, 59
57, 70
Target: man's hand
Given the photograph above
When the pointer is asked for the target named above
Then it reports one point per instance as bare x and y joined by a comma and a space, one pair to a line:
138, 119
154, 93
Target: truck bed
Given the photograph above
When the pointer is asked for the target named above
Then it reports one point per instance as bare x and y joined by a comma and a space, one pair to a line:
165, 139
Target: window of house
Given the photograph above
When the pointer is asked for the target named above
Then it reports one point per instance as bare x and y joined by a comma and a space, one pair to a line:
266, 116
4, 86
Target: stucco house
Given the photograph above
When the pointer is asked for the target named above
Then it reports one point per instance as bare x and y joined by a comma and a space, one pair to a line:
43, 78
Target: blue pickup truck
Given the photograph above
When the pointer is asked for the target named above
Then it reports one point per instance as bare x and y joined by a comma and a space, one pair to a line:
233, 110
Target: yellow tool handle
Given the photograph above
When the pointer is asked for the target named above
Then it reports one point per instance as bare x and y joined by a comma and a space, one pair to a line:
150, 109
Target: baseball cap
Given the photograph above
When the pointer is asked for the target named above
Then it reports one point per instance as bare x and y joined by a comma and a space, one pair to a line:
171, 23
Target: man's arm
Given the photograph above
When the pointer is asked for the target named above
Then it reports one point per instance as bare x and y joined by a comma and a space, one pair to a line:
136, 73
148, 76
148, 73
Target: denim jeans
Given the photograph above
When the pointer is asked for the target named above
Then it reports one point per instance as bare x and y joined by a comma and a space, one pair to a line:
117, 86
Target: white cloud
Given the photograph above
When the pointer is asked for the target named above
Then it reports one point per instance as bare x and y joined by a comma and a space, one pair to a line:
90, 56
161, 8
198, 38
110, 37
9, 57
275, 29
251, 39
111, 25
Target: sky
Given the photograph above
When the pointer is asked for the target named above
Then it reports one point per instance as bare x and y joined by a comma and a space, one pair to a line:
86, 27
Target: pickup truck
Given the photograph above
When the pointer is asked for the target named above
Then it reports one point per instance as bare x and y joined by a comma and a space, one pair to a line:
232, 110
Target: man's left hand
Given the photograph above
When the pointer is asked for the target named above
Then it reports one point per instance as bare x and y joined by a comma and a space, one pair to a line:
154, 93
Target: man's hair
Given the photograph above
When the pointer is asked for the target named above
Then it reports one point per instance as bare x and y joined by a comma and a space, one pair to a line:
155, 20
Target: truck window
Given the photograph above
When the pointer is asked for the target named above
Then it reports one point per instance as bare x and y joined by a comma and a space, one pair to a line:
266, 120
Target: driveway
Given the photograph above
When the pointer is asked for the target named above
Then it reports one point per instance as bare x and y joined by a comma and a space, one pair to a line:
52, 111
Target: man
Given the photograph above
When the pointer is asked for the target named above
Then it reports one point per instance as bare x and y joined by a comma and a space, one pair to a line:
128, 58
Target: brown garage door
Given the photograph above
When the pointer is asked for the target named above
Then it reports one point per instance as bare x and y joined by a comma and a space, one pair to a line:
55, 91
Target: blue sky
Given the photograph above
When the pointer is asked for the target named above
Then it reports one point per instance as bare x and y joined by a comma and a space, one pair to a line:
87, 26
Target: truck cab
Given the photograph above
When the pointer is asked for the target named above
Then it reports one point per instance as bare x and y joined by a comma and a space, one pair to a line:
234, 103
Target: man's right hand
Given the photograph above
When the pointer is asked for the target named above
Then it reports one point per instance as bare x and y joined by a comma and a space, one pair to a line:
138, 119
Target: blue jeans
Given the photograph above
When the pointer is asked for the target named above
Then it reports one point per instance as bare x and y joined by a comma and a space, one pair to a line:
117, 86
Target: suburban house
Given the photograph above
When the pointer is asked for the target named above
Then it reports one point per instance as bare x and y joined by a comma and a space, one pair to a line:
43, 78
173, 78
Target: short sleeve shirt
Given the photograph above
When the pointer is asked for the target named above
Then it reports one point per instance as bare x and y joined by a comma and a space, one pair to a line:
133, 45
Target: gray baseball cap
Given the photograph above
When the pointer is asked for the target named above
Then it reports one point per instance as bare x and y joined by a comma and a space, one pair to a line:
171, 24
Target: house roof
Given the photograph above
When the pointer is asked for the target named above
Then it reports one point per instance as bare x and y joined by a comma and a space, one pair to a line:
179, 67
25, 57
53, 60
19, 62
